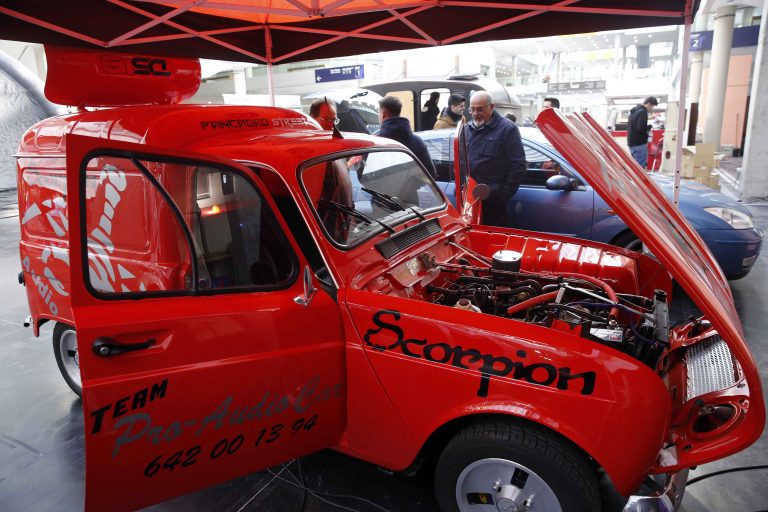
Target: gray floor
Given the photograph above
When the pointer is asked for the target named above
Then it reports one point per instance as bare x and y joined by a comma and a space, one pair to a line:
41, 437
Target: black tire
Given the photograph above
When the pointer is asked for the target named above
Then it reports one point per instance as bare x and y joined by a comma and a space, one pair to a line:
65, 350
628, 240
532, 460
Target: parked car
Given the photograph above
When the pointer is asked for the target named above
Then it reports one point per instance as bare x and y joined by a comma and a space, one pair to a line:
572, 207
233, 288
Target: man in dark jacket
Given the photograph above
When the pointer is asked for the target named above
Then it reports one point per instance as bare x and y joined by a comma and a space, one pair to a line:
496, 157
452, 114
637, 131
399, 128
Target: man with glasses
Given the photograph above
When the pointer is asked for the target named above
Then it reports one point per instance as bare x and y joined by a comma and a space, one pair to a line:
324, 112
496, 157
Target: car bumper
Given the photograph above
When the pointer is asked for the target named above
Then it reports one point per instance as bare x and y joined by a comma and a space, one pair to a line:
736, 250
661, 493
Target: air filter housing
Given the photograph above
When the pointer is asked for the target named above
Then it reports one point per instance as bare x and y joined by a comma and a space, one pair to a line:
507, 260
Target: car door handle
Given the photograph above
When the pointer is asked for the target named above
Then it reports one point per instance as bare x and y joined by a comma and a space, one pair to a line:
107, 347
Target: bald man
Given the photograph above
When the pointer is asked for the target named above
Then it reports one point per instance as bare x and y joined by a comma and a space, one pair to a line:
496, 157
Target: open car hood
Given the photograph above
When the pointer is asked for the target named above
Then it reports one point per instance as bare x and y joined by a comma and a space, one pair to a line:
650, 215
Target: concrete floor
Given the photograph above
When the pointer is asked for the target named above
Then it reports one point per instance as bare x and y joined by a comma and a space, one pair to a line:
41, 429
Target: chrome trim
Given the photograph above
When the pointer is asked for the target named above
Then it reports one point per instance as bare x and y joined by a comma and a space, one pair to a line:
664, 496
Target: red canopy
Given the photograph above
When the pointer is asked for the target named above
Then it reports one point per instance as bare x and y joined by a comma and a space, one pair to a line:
272, 31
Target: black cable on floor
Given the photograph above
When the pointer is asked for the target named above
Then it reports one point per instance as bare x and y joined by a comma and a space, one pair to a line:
317, 494
723, 471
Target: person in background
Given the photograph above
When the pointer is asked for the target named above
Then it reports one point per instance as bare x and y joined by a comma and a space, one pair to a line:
496, 157
512, 117
551, 103
324, 112
399, 128
452, 114
637, 130
429, 111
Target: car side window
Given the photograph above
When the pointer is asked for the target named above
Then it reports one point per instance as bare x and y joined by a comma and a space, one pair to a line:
156, 227
539, 167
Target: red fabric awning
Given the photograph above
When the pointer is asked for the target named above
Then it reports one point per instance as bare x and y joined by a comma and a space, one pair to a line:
294, 30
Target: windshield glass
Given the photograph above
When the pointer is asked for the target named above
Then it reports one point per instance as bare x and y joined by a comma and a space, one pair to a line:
336, 189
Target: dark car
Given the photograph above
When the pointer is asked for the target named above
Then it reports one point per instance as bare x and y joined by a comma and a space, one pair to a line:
554, 198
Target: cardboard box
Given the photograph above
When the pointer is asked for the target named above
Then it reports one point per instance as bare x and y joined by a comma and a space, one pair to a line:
710, 180
701, 156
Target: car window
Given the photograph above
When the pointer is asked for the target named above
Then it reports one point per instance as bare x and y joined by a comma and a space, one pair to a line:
539, 167
156, 227
349, 214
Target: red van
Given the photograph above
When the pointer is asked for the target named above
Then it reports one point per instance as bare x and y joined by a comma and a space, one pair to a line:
233, 287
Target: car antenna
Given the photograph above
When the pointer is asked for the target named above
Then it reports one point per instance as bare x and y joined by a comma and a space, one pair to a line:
335, 133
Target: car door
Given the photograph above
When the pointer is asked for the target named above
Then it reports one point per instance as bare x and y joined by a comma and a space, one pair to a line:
535, 207
200, 352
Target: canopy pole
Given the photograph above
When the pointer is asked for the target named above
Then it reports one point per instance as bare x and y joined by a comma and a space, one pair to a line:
681, 110
270, 76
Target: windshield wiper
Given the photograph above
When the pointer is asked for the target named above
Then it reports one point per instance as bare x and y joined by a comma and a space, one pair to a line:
352, 212
392, 201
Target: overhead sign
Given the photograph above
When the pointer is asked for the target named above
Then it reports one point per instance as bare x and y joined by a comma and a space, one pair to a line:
355, 72
743, 37
591, 86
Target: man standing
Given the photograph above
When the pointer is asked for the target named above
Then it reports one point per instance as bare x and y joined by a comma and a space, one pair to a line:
551, 103
496, 157
637, 131
429, 111
399, 128
324, 113
452, 114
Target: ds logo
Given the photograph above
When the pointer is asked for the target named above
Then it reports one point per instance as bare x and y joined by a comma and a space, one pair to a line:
118, 65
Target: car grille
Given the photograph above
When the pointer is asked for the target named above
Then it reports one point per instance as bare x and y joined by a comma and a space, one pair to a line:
710, 367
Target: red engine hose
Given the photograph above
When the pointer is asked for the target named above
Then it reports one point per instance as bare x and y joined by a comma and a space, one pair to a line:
546, 297
534, 301
614, 313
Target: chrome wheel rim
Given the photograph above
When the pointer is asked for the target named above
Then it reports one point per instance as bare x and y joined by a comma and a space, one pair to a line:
505, 486
69, 356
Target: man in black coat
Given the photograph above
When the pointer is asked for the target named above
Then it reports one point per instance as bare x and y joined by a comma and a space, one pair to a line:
637, 130
399, 128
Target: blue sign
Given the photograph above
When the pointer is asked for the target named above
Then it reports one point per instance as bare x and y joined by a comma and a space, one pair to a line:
743, 37
355, 72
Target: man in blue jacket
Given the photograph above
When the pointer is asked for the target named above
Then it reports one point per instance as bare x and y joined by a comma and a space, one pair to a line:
496, 157
637, 131
399, 128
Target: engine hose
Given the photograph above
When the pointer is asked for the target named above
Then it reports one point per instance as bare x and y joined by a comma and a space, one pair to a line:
571, 309
445, 291
535, 301
514, 291
614, 313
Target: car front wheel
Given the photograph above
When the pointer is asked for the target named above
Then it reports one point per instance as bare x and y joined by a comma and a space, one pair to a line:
628, 240
65, 350
514, 467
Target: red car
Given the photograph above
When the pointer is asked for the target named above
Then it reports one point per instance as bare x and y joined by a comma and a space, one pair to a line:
223, 304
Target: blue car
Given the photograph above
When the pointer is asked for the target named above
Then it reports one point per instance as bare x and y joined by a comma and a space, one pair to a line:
553, 198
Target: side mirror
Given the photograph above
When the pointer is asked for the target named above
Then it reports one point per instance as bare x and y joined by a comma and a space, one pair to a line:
480, 192
309, 289
560, 182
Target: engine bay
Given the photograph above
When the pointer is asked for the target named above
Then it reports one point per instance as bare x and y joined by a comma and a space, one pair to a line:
569, 301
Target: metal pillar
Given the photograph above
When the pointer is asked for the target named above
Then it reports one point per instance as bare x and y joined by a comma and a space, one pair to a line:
754, 177
718, 74
681, 105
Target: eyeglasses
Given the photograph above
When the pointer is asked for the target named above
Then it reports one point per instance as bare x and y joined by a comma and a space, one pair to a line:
478, 109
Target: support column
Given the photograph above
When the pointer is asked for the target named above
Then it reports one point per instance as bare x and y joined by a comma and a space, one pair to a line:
754, 175
697, 60
718, 74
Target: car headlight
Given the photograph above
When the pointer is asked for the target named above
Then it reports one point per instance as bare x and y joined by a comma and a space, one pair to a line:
735, 218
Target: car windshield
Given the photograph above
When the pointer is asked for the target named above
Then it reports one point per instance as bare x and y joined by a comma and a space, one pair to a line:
358, 195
